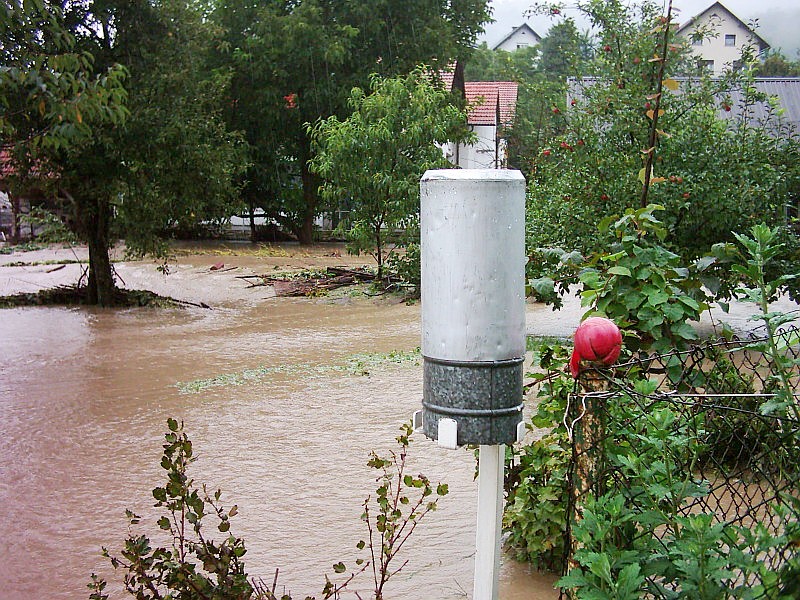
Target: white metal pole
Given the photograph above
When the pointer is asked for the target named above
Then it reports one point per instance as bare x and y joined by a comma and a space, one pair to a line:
491, 464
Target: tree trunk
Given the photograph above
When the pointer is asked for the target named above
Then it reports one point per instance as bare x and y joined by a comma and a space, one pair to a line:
379, 250
15, 210
305, 234
101, 285
311, 183
94, 223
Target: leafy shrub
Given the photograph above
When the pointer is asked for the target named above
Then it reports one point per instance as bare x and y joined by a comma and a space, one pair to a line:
643, 286
51, 229
196, 567
759, 249
536, 512
638, 540
551, 272
407, 265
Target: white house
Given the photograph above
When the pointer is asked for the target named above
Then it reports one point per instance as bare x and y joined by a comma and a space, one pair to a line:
717, 37
491, 108
520, 37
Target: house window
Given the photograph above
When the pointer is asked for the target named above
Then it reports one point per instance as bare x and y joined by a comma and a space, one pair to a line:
707, 65
730, 39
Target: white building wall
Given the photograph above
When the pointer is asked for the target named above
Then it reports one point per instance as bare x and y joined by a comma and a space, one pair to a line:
522, 38
724, 48
483, 154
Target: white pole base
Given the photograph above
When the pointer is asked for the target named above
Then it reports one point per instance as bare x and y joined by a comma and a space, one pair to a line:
491, 464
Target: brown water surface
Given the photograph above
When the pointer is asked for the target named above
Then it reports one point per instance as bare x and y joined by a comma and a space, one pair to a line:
84, 396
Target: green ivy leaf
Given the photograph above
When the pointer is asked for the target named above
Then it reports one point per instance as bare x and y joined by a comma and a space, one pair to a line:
618, 270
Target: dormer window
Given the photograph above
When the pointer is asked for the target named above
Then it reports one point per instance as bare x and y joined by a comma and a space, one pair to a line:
730, 39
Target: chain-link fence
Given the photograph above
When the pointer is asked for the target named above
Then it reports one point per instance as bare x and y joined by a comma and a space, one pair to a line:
708, 439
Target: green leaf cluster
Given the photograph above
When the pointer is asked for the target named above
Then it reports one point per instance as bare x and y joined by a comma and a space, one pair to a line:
639, 540
759, 249
401, 502
535, 516
54, 97
642, 285
372, 161
195, 566
640, 111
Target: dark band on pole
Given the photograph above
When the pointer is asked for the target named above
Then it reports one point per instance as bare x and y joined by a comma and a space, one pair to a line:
485, 398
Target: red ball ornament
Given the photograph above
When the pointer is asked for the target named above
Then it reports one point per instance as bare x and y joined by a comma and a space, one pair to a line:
597, 339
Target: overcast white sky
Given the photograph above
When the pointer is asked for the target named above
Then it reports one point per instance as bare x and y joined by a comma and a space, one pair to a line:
779, 20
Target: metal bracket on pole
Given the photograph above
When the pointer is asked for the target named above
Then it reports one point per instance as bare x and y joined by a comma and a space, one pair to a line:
416, 420
521, 430
448, 434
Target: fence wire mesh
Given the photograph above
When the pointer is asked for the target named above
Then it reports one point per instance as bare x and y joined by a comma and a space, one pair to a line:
725, 436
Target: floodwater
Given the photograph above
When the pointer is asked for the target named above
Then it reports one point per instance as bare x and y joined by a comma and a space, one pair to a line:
283, 409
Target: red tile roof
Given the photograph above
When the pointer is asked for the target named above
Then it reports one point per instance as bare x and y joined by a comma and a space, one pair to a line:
9, 169
6, 169
447, 77
491, 102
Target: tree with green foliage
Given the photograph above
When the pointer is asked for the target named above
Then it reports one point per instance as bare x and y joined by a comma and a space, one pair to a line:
485, 64
173, 162
564, 50
775, 64
540, 72
296, 62
621, 162
636, 135
374, 159
53, 98
287, 61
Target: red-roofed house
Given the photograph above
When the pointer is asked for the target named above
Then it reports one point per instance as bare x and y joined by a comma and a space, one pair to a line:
14, 205
492, 105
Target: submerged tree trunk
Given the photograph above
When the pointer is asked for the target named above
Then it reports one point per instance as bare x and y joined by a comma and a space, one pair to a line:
101, 284
93, 216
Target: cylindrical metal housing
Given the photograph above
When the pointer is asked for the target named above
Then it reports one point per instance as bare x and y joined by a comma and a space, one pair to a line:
473, 302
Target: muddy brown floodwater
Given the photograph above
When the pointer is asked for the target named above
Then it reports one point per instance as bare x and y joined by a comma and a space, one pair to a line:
282, 407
